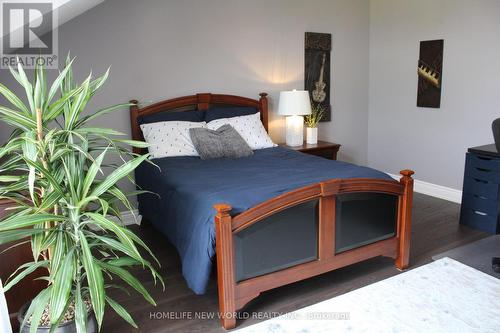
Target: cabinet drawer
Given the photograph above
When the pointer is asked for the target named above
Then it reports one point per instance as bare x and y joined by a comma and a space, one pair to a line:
478, 172
479, 204
483, 162
478, 220
480, 187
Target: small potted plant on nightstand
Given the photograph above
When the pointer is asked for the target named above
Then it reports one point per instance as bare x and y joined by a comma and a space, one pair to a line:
312, 120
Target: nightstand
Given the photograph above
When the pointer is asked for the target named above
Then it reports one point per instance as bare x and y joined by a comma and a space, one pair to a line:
322, 148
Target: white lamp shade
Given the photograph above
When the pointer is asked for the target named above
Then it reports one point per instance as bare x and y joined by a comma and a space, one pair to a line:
294, 103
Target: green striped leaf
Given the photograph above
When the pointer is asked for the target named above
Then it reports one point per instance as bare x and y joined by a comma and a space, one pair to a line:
120, 310
80, 311
59, 250
61, 287
98, 130
25, 270
37, 92
41, 80
9, 179
56, 108
116, 229
94, 279
118, 174
57, 82
17, 222
76, 107
14, 235
133, 143
97, 83
17, 119
129, 279
118, 246
46, 174
102, 112
28, 88
35, 310
13, 99
91, 173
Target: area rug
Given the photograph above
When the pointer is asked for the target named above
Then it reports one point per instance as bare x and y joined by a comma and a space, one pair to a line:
443, 296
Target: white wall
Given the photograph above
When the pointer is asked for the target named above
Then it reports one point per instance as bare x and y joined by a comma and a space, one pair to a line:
433, 142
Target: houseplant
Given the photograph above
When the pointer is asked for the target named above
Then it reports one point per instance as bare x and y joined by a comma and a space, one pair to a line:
52, 169
312, 120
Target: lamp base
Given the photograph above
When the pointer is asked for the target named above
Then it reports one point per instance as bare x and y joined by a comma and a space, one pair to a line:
294, 131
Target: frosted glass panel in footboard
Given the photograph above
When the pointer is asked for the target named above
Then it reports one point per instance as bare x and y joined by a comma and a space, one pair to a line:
282, 240
364, 218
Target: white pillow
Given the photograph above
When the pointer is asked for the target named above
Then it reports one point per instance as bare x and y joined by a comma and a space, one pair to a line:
249, 127
170, 138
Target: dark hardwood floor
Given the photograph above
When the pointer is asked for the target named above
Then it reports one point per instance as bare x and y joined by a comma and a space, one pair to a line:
435, 230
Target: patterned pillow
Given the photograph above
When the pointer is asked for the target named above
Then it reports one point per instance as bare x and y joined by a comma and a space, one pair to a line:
170, 138
249, 127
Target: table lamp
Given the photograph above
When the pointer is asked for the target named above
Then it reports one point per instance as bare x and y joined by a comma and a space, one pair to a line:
294, 104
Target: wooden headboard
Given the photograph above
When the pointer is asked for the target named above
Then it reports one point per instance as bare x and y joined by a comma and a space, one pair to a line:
200, 102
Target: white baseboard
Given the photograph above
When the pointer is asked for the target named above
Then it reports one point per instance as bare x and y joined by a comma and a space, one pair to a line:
438, 191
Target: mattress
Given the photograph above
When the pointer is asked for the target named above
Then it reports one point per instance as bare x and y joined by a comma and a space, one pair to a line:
186, 188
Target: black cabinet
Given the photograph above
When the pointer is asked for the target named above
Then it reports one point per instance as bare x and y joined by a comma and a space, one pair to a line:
480, 199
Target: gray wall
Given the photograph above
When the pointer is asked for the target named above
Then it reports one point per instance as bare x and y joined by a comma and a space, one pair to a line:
163, 49
432, 141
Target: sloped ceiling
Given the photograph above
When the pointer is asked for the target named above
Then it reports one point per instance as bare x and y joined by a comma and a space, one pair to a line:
65, 10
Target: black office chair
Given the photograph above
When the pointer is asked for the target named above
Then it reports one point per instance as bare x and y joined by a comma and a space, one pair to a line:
495, 126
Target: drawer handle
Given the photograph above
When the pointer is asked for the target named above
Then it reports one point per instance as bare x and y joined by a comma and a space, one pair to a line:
481, 181
483, 170
479, 213
479, 197
484, 158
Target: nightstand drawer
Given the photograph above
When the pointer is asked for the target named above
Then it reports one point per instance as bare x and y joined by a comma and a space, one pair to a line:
326, 153
324, 149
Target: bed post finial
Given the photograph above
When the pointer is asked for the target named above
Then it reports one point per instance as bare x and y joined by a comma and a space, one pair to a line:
407, 173
263, 110
222, 209
403, 258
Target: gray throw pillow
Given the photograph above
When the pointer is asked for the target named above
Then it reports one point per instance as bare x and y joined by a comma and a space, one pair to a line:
225, 142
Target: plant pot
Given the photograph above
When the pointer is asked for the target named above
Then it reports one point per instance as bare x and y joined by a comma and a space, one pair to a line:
67, 327
312, 135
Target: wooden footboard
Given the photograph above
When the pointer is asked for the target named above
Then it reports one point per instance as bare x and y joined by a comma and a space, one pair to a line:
328, 212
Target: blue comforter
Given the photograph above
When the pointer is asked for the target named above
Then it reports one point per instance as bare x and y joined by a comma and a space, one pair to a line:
189, 187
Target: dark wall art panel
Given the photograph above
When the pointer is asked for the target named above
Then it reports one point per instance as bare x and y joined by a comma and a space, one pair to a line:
430, 73
317, 69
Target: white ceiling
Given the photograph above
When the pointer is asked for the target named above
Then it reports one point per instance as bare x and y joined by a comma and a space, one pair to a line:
64, 11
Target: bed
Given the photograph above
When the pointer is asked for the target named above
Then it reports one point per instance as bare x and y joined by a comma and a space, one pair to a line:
270, 219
